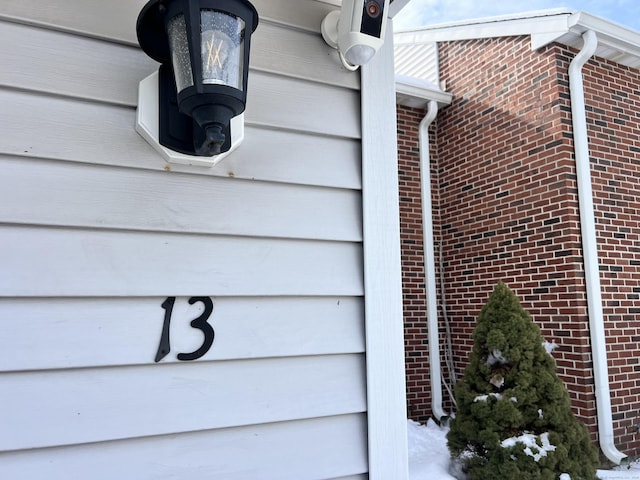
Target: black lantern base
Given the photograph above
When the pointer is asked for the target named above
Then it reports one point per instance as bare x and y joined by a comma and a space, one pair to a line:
180, 132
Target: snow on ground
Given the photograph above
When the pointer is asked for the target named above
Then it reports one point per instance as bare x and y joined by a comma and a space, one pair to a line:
633, 473
429, 456
428, 453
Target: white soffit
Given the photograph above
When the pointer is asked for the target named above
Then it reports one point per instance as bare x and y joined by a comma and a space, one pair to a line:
417, 75
418, 61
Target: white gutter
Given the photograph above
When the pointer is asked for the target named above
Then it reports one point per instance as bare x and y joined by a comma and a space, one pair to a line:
430, 261
590, 250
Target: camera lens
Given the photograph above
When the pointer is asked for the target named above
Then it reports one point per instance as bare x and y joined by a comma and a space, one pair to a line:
373, 8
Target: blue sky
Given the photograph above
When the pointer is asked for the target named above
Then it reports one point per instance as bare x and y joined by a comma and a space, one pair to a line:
428, 12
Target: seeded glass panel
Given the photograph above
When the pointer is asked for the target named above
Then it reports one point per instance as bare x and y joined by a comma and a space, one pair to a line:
222, 48
180, 52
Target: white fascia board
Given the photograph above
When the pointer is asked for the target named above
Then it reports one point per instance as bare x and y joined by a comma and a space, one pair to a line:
609, 33
492, 29
526, 23
615, 42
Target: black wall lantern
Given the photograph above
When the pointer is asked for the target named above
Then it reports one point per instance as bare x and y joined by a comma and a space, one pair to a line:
203, 47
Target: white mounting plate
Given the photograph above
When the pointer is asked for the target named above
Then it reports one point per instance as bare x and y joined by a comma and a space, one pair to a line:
147, 127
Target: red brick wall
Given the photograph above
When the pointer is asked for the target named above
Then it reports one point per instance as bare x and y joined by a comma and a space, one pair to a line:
506, 204
613, 121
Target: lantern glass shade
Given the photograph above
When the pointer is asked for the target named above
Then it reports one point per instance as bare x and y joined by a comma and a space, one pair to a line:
222, 48
180, 55
203, 46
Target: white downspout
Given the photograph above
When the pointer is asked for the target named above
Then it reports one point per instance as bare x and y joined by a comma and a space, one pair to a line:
590, 250
430, 261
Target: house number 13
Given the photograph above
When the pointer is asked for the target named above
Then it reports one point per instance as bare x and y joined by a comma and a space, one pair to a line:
199, 323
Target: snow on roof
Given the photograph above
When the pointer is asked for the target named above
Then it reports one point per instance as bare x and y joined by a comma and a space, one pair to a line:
416, 50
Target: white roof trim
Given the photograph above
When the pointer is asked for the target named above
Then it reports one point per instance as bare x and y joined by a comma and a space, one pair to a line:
615, 42
416, 93
539, 21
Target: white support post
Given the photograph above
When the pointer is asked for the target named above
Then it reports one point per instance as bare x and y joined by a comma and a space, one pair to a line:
386, 397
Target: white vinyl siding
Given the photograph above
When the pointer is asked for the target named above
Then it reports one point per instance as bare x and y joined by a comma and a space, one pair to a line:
117, 328
322, 446
96, 231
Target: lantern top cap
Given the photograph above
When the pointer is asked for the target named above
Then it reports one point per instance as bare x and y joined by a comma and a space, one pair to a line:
151, 24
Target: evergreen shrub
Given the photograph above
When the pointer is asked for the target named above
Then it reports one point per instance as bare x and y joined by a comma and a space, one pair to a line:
514, 419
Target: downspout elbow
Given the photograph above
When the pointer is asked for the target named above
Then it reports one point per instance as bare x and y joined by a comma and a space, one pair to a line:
430, 263
590, 251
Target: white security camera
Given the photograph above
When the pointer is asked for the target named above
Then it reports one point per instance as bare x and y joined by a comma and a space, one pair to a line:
356, 30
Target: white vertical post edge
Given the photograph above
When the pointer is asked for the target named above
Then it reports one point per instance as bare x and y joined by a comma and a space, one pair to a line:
386, 396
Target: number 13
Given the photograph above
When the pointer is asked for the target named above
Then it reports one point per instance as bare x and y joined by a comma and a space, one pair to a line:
199, 323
